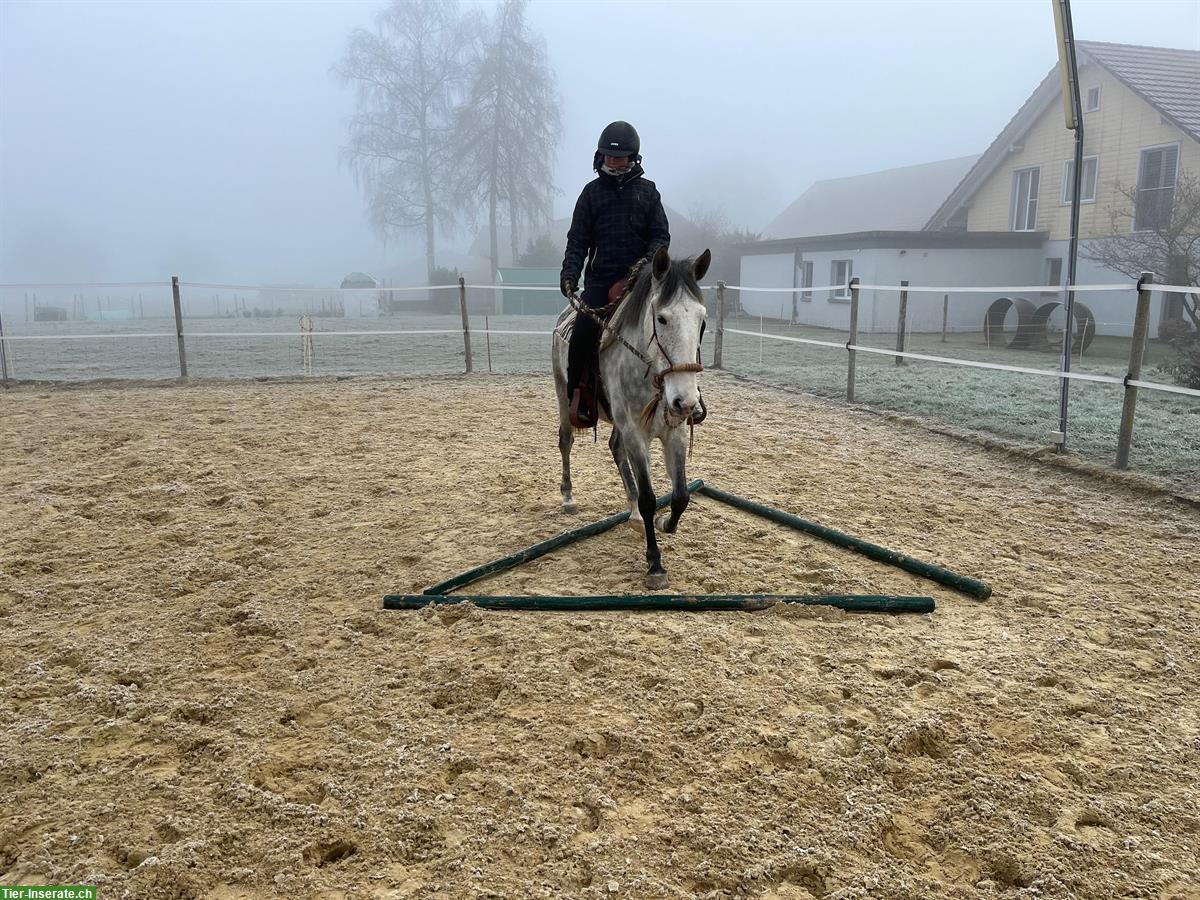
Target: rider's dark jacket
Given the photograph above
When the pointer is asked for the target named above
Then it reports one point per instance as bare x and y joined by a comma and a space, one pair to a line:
617, 221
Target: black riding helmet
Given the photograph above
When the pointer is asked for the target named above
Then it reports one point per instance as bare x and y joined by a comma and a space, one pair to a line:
618, 139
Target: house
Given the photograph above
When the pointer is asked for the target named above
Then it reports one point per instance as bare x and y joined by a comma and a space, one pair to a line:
893, 200
537, 302
1006, 222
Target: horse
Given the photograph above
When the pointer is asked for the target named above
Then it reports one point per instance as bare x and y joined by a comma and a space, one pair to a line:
649, 366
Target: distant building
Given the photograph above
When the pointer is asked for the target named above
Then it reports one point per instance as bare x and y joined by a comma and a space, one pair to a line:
892, 200
528, 303
44, 313
1006, 220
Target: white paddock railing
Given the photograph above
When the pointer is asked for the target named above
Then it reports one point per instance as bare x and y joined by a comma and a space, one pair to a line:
1130, 382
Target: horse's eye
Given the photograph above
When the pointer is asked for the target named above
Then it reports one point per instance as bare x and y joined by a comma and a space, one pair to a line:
662, 320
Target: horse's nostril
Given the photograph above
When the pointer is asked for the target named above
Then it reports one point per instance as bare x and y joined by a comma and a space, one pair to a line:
678, 403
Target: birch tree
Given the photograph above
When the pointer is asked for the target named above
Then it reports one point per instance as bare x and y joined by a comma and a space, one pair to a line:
408, 75
508, 128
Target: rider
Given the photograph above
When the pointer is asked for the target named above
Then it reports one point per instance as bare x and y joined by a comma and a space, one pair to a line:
619, 219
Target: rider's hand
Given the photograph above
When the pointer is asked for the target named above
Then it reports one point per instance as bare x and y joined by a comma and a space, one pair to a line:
567, 286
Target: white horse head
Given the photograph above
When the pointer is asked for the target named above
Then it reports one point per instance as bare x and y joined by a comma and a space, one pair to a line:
663, 315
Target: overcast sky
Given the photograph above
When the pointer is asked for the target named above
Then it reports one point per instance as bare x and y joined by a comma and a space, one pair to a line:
138, 139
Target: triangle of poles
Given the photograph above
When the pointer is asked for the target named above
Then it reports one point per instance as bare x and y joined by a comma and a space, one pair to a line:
439, 594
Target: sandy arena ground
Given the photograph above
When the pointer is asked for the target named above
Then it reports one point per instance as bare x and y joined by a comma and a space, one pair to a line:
200, 695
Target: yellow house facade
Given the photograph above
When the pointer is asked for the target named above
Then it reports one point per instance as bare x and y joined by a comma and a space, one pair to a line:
1141, 122
1007, 220
1117, 133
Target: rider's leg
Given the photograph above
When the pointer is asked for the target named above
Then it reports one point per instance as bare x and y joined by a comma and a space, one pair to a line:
581, 361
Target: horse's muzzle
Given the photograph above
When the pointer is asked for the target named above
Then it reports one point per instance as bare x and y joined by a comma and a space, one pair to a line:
679, 411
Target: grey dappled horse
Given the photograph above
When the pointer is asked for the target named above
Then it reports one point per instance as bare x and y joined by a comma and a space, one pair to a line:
650, 393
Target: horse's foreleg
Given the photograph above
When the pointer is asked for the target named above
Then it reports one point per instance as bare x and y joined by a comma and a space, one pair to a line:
639, 461
631, 490
675, 452
566, 439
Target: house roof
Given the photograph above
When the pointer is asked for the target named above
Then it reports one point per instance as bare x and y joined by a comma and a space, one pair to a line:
359, 280
898, 240
1167, 79
892, 200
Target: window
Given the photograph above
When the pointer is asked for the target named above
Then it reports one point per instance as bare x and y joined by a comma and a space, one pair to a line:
839, 274
1155, 187
806, 279
1093, 100
1089, 180
1053, 275
1025, 199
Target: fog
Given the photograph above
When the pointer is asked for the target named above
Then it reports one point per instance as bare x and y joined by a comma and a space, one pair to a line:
143, 139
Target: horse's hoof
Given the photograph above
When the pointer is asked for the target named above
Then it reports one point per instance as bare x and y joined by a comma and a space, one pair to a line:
656, 581
639, 522
660, 522
570, 507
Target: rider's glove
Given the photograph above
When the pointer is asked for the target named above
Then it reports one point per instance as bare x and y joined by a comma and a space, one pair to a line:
567, 286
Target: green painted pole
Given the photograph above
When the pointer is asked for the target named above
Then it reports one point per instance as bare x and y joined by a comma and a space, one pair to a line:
546, 546
977, 589
695, 602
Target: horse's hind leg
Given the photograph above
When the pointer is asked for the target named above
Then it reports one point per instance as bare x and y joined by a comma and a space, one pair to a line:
622, 461
566, 438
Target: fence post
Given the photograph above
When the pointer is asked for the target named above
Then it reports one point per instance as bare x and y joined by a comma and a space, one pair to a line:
462, 302
3, 354
720, 325
1141, 325
487, 334
945, 314
178, 326
902, 324
853, 339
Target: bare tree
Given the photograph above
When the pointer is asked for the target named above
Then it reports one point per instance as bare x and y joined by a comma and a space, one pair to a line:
718, 233
712, 222
1167, 244
508, 129
408, 75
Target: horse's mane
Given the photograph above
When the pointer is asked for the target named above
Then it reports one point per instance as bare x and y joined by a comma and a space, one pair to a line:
641, 277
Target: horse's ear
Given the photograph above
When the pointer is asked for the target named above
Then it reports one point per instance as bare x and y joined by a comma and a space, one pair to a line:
700, 266
662, 262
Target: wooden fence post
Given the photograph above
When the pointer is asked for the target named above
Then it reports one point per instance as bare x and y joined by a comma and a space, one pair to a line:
853, 339
1141, 325
178, 326
717, 350
462, 302
3, 354
945, 314
902, 324
487, 334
